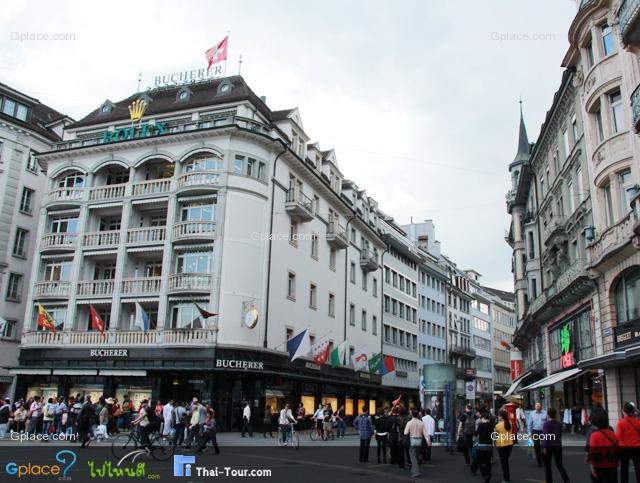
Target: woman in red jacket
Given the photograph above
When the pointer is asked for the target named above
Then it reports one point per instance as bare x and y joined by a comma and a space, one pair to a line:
628, 433
602, 449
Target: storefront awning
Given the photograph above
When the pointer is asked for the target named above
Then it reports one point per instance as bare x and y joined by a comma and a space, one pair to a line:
554, 379
516, 383
122, 373
35, 372
75, 372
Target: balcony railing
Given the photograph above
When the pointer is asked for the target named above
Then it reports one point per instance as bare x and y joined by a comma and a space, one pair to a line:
66, 194
116, 338
141, 286
462, 350
190, 281
337, 235
102, 238
298, 205
368, 260
59, 240
635, 108
628, 18
190, 229
153, 234
151, 187
611, 240
199, 178
556, 225
100, 288
52, 288
109, 192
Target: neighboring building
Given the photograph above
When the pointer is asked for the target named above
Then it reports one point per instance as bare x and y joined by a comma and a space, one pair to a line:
551, 211
481, 330
219, 200
432, 300
603, 50
27, 127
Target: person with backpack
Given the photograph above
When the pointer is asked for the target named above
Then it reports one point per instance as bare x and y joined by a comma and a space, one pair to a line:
466, 432
552, 446
365, 429
628, 434
485, 444
179, 423
504, 443
602, 449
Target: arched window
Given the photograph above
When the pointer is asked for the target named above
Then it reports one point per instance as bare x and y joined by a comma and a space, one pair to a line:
628, 296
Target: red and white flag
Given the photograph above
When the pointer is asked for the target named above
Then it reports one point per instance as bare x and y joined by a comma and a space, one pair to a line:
320, 353
96, 321
217, 53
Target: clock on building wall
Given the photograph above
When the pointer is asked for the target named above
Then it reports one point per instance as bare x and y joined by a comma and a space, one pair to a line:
250, 318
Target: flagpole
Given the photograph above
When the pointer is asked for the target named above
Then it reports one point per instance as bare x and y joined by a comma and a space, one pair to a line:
240, 65
226, 61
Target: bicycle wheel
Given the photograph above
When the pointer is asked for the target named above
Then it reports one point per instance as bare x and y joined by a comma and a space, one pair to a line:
162, 448
313, 434
280, 441
122, 445
295, 440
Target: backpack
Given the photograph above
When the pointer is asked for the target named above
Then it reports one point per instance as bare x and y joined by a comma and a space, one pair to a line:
470, 426
152, 417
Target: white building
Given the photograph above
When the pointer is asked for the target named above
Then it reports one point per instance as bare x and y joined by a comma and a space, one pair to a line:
27, 127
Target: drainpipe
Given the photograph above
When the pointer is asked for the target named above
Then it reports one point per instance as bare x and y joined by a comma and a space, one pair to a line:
273, 191
346, 272
382, 300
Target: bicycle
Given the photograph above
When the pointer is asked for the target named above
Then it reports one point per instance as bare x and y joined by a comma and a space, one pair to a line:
292, 436
316, 432
160, 446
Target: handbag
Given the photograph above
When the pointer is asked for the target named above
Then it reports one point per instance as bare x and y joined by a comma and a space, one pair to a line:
460, 444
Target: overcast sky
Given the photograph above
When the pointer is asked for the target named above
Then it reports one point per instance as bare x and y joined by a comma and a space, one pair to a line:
418, 98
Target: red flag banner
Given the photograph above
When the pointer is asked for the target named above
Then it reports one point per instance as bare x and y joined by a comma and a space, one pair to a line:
205, 314
320, 353
45, 321
96, 321
389, 364
217, 53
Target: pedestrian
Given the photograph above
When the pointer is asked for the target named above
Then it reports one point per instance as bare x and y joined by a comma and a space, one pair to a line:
127, 409
485, 444
415, 431
60, 409
552, 446
392, 435
148, 420
466, 432
538, 418
167, 413
521, 419
48, 415
403, 446
266, 422
602, 448
301, 412
246, 420
5, 414
318, 419
179, 423
194, 424
575, 418
380, 427
285, 420
210, 433
340, 422
365, 429
628, 434
327, 421
504, 439
20, 419
430, 426
86, 415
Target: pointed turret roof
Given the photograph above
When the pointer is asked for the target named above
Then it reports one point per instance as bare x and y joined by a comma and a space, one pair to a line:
524, 148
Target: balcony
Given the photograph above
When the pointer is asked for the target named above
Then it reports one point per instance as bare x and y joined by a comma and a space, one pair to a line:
148, 235
190, 282
465, 372
629, 18
102, 239
116, 338
66, 196
461, 350
52, 289
298, 205
59, 241
109, 192
151, 187
612, 240
635, 108
199, 181
141, 286
368, 261
554, 230
337, 235
194, 230
95, 288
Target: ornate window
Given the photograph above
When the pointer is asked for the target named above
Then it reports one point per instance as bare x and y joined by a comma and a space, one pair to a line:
627, 295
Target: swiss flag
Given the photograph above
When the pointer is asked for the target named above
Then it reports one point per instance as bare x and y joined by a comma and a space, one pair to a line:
320, 353
96, 321
217, 53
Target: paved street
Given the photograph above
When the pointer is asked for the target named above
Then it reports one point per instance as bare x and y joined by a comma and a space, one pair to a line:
313, 461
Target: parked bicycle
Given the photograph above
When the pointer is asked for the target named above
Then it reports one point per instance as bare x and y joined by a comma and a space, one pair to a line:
160, 446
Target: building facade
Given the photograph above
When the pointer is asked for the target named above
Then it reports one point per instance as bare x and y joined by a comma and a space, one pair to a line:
27, 127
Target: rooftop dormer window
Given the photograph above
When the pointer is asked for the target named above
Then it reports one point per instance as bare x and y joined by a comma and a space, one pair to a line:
14, 109
184, 94
225, 87
106, 107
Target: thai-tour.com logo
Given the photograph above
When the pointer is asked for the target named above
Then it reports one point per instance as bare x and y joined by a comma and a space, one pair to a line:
182, 465
65, 457
186, 466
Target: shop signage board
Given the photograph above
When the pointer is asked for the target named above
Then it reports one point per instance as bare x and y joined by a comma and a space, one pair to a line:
109, 353
567, 359
627, 334
239, 364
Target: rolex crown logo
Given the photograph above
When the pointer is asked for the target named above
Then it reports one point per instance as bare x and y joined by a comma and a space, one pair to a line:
136, 109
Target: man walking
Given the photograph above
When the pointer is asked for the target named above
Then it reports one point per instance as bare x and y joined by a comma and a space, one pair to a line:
552, 446
538, 418
167, 412
365, 428
86, 415
246, 420
416, 430
430, 428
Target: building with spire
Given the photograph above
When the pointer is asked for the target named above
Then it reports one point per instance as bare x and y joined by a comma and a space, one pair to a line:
555, 298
